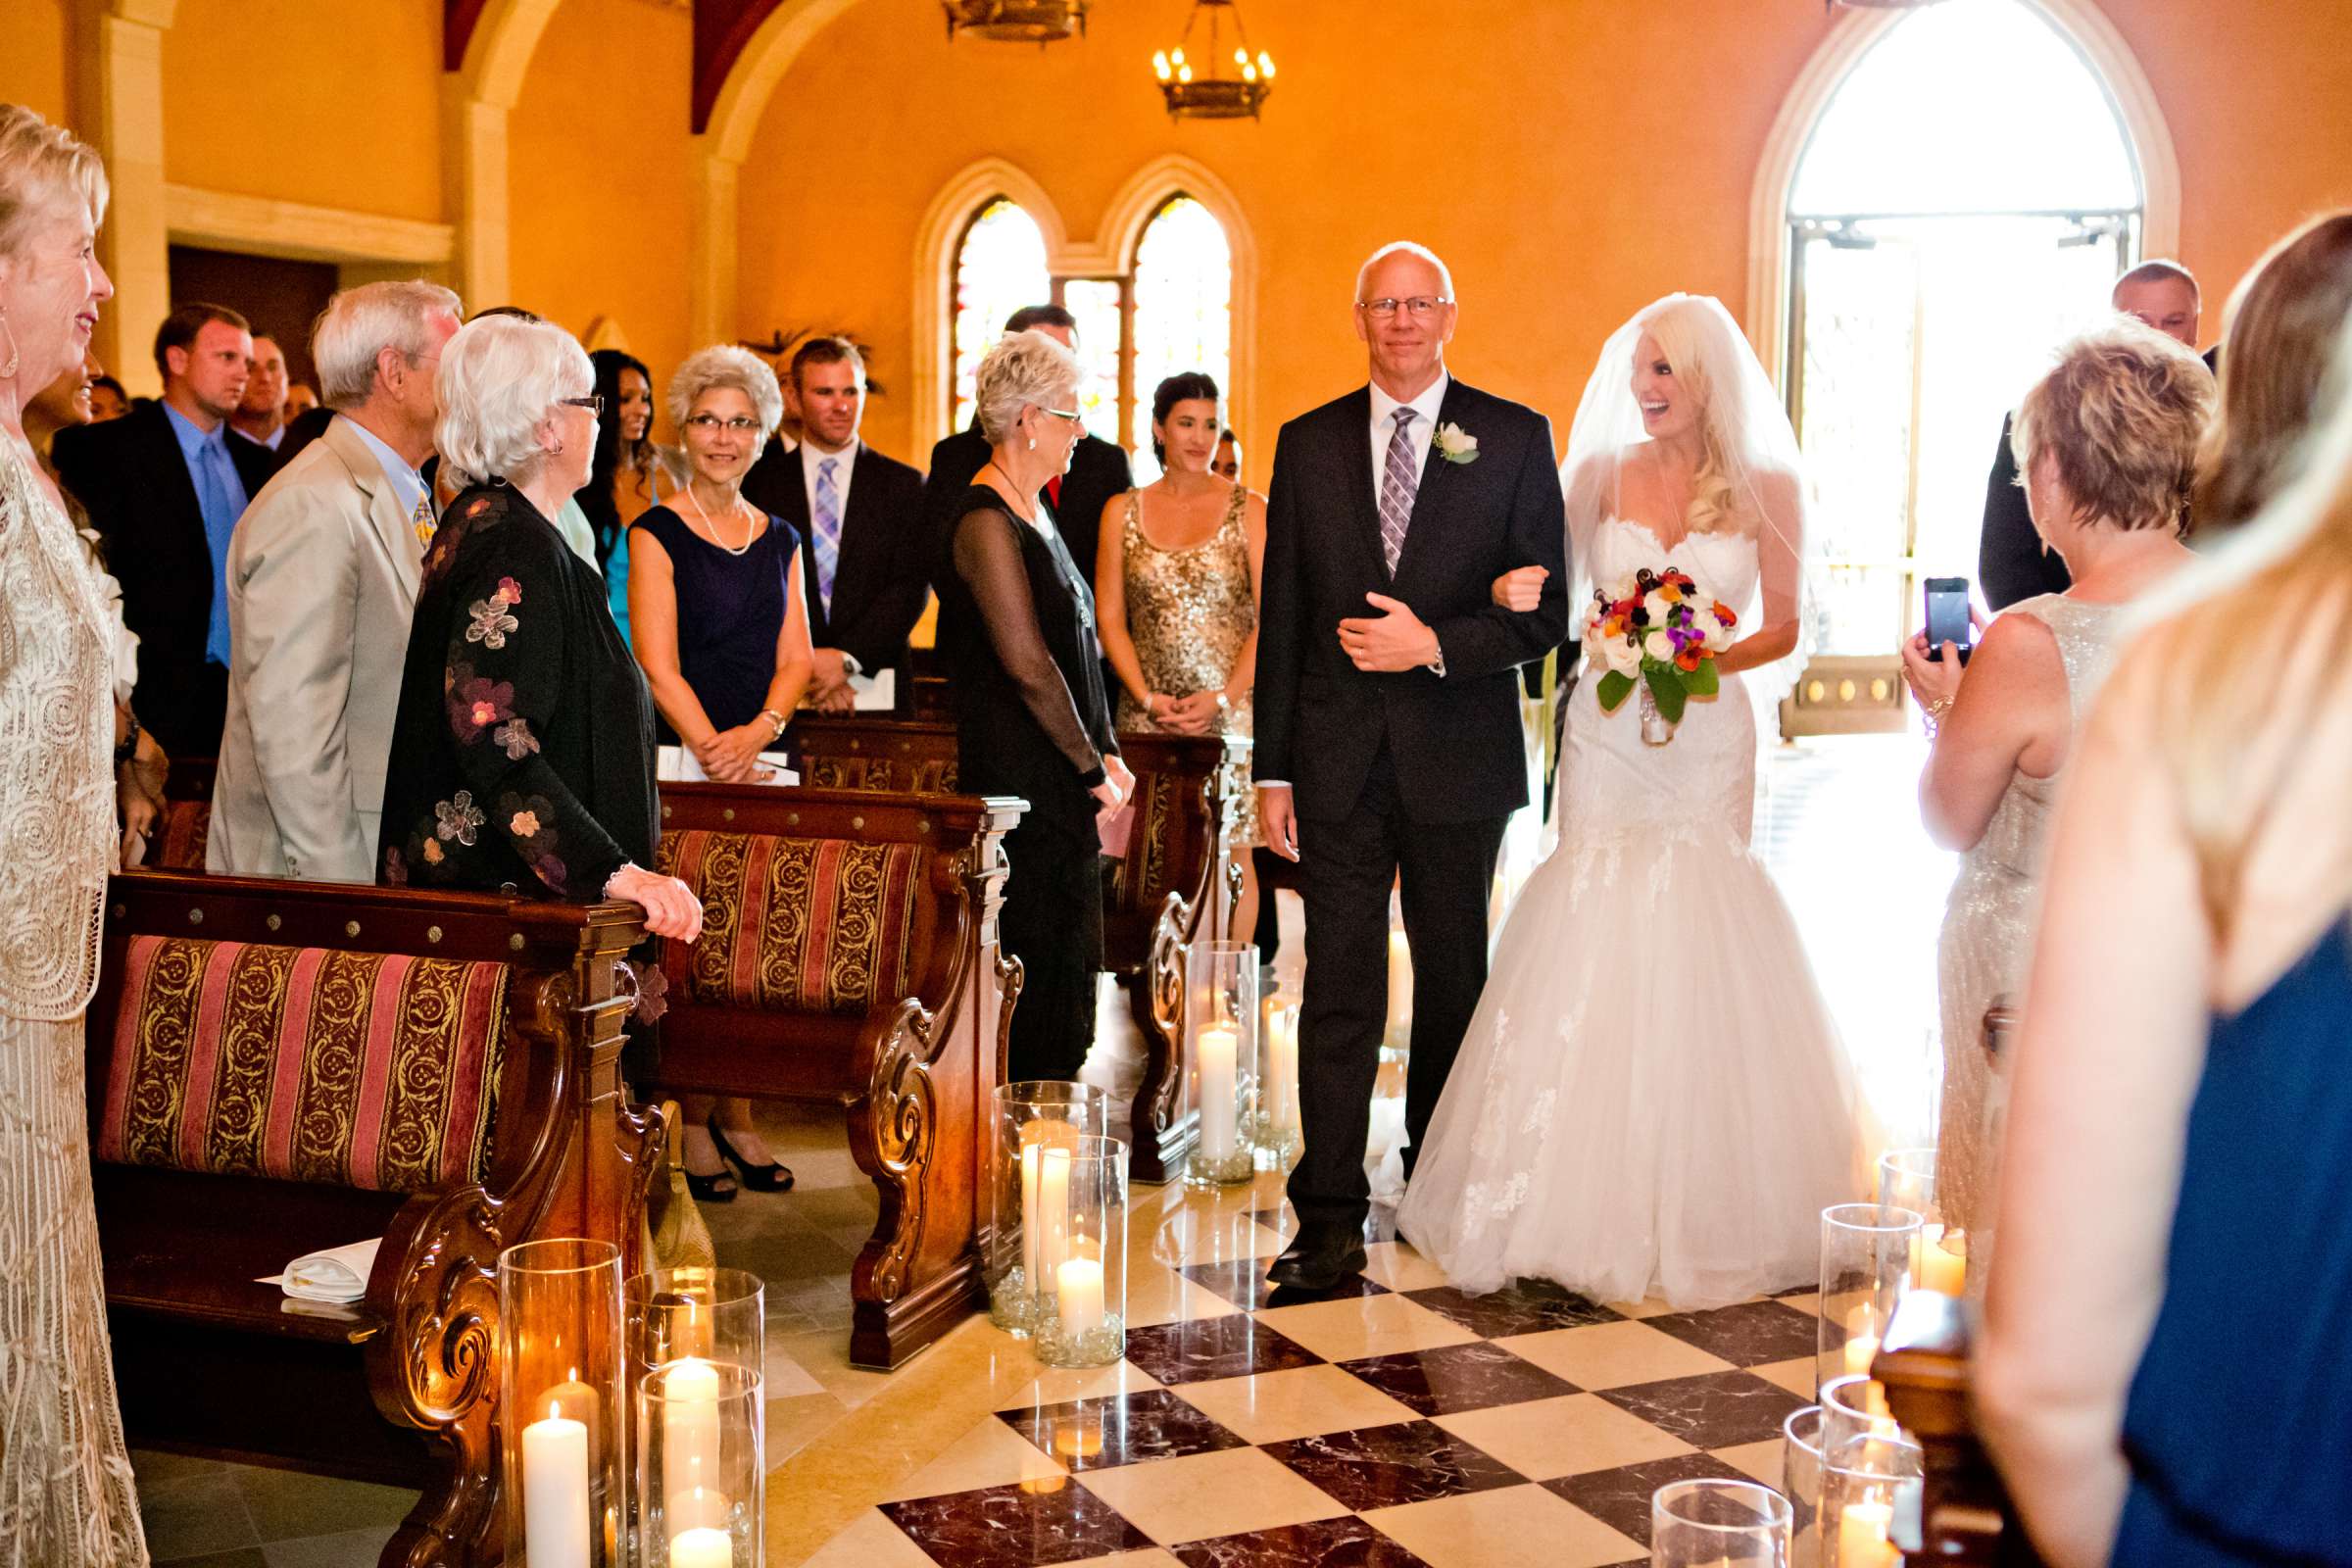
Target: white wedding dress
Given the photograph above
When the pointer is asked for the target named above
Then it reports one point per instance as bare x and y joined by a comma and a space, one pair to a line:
1651, 1099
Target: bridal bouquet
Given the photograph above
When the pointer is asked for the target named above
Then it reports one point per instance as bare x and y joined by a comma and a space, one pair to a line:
1658, 626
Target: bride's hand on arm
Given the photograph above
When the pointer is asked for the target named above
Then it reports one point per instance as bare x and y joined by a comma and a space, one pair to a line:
1520, 589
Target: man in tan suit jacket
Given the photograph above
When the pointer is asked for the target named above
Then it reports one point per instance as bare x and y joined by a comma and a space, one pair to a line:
323, 575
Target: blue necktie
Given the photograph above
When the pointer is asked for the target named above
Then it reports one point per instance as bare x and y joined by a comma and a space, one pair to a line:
215, 491
828, 532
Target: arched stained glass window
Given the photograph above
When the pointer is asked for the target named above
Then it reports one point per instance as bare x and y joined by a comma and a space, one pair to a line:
1183, 313
1000, 267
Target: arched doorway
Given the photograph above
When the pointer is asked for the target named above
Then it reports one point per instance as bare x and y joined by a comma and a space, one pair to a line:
1934, 246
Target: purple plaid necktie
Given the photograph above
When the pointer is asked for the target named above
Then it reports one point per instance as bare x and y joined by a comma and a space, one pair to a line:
1396, 489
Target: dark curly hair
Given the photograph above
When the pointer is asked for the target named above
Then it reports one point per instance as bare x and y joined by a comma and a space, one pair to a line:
1186, 387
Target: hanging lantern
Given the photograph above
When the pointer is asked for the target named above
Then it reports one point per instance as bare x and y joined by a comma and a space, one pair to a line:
1038, 21
1218, 82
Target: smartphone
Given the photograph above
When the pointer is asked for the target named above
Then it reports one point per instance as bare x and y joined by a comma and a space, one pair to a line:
1947, 616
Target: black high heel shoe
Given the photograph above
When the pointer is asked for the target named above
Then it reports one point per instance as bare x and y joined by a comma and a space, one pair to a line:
720, 1187
772, 1178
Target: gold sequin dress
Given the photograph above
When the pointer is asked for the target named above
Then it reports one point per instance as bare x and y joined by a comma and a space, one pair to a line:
66, 1485
1990, 921
1188, 612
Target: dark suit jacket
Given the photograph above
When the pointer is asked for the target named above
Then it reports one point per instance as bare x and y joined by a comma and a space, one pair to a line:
306, 427
1098, 470
1454, 741
2011, 563
884, 575
131, 478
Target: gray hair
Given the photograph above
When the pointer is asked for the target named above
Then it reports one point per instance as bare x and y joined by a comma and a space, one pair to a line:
724, 364
501, 378
43, 168
1023, 369
360, 324
1404, 247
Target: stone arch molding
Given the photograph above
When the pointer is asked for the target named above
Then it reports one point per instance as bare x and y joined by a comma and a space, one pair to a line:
2080, 21
1109, 253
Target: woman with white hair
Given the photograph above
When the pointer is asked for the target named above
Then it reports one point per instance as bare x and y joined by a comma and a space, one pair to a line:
719, 622
522, 752
1016, 623
2106, 445
65, 1486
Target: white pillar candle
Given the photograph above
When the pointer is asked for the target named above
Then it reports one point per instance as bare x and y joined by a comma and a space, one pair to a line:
556, 1516
1080, 1297
1053, 1212
702, 1547
690, 1444
1862, 1537
1282, 1070
1033, 1230
1220, 1050
1940, 1260
1861, 1339
1400, 988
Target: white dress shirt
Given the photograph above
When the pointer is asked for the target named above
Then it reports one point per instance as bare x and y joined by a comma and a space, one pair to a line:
1383, 429
404, 479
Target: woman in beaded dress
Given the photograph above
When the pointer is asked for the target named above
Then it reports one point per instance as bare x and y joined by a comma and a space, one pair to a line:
67, 1495
1176, 577
2106, 444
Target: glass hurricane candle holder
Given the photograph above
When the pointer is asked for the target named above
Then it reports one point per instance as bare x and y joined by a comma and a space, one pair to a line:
1865, 1265
699, 1329
1275, 1130
1036, 1126
701, 1465
1080, 1317
1871, 1491
1939, 1254
561, 1402
1854, 1407
1702, 1524
1220, 1028
1801, 1482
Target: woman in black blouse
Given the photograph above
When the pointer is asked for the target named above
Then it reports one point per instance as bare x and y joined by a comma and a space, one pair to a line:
1016, 623
523, 750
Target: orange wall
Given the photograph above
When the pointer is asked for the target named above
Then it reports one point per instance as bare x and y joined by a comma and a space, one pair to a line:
334, 103
597, 175
1572, 163
32, 55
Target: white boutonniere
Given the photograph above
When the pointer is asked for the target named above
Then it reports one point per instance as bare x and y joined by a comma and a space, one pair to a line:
1456, 444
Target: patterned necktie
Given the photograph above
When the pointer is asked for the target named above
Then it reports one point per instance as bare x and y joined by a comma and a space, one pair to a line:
217, 499
1396, 489
423, 519
828, 532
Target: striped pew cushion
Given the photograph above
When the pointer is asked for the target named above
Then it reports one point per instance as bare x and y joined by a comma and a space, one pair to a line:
794, 924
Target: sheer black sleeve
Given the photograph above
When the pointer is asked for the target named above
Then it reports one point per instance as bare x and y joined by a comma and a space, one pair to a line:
988, 558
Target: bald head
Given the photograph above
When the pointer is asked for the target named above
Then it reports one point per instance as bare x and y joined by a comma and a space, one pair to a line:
2164, 295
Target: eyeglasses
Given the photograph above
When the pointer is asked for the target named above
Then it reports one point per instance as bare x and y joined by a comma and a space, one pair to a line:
1419, 305
594, 403
712, 423
1071, 415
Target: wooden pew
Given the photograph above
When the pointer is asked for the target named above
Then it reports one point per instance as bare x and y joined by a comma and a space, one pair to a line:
849, 958
187, 822
1965, 1515
1191, 792
258, 1003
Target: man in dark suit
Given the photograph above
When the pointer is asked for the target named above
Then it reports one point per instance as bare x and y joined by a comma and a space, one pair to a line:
860, 520
164, 486
1387, 712
1099, 470
2011, 563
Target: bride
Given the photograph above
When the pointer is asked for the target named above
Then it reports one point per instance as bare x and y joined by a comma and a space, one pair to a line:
1651, 1099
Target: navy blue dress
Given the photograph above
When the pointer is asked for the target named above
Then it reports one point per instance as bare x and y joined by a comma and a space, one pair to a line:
730, 613
2238, 1427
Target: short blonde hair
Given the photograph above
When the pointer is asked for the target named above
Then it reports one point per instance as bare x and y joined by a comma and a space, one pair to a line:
501, 378
1024, 368
43, 168
724, 364
2121, 415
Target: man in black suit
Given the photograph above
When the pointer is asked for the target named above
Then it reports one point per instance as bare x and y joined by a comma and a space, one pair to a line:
1097, 469
1387, 712
2011, 563
164, 486
860, 520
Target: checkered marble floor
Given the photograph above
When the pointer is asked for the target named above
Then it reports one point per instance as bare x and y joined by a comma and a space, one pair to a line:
1389, 1423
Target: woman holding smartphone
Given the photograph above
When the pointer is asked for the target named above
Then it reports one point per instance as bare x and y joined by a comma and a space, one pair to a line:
2106, 446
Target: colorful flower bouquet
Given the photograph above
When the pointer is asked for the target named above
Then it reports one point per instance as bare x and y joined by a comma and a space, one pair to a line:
1659, 627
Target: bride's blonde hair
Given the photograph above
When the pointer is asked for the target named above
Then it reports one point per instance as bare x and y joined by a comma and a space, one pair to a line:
1687, 334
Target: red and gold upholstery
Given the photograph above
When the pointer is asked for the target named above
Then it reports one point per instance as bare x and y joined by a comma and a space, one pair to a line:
1143, 877
855, 770
363, 1069
182, 835
793, 925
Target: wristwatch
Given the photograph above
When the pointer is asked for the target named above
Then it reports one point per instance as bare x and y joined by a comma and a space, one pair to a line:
775, 721
1437, 665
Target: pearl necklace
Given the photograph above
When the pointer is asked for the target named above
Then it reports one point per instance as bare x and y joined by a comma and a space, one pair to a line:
751, 529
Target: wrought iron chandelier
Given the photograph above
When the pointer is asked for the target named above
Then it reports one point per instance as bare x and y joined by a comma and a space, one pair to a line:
1203, 90
1038, 21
